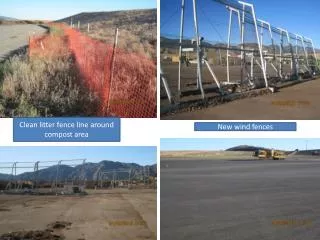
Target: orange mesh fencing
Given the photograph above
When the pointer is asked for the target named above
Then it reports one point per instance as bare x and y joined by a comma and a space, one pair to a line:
129, 92
47, 46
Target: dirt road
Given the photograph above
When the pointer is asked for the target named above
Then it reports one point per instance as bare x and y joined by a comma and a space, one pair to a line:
298, 102
13, 37
118, 214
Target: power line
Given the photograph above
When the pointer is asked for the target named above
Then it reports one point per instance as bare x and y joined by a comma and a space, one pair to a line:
213, 27
169, 18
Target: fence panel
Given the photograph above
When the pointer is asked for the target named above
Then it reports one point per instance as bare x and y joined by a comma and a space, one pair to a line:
131, 93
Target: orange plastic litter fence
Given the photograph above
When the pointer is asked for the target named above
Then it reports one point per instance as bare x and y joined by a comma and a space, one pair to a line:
131, 93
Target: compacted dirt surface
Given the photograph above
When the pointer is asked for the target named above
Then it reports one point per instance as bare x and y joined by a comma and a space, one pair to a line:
298, 102
113, 214
13, 37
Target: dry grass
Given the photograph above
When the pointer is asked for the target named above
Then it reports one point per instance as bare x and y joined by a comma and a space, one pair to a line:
43, 87
133, 87
133, 38
217, 155
48, 82
130, 91
12, 22
137, 28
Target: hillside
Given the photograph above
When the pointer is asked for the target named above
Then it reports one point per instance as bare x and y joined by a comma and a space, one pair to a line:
308, 152
174, 43
3, 18
137, 28
245, 148
4, 176
89, 171
118, 17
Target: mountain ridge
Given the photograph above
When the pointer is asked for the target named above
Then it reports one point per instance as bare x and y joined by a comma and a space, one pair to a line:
137, 15
88, 171
4, 18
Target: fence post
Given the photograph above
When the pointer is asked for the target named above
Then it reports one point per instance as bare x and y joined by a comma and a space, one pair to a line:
78, 24
112, 65
166, 86
29, 44
88, 27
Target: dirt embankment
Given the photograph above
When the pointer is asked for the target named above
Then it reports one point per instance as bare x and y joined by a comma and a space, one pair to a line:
226, 155
203, 155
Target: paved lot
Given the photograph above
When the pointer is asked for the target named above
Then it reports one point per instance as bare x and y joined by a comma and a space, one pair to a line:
13, 37
240, 199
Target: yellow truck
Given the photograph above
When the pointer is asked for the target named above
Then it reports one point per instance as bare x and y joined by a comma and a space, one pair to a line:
268, 154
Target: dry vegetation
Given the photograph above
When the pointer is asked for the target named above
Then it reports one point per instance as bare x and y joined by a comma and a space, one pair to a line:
201, 155
43, 86
12, 22
47, 80
137, 29
128, 40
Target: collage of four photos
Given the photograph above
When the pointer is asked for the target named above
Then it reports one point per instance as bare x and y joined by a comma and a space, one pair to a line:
159, 119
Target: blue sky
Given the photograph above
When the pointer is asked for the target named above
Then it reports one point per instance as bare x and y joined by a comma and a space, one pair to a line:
140, 155
53, 10
297, 16
168, 144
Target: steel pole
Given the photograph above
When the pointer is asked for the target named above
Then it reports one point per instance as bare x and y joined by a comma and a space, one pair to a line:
260, 48
314, 54
229, 36
199, 58
166, 86
180, 44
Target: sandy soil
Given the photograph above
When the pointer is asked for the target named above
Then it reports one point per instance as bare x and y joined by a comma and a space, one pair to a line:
13, 37
298, 102
188, 78
112, 214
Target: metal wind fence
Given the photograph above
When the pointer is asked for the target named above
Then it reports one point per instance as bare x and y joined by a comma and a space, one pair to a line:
124, 82
215, 45
125, 178
42, 176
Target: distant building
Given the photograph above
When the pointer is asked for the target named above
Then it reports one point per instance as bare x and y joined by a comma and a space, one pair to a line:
71, 188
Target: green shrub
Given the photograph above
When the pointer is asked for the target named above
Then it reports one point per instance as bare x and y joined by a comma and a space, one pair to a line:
56, 31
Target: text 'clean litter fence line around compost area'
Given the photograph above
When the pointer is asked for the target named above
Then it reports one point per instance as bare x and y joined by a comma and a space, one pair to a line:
124, 82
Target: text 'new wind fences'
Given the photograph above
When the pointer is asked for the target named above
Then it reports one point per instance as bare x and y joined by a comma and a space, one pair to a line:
125, 83
218, 50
